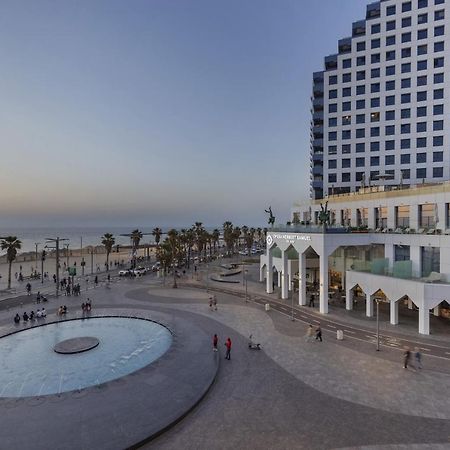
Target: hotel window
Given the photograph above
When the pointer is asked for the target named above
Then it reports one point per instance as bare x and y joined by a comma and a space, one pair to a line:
375, 102
375, 43
422, 49
406, 37
360, 104
438, 125
447, 216
360, 132
422, 18
346, 134
346, 63
406, 52
390, 55
389, 130
381, 217
439, 2
332, 122
346, 77
390, 25
406, 83
422, 34
346, 177
360, 162
375, 28
438, 141
346, 92
332, 178
332, 93
375, 131
402, 216
421, 127
405, 128
375, 73
346, 148
421, 142
359, 176
405, 159
389, 160
390, 40
360, 60
389, 115
390, 70
438, 78
422, 80
332, 163
346, 163
390, 100
332, 107
360, 46
346, 106
361, 75
439, 15
401, 252
439, 46
438, 63
405, 113
361, 89
374, 161
332, 135
346, 120
332, 149
430, 257
405, 98
389, 145
422, 4
362, 217
438, 109
405, 143
422, 65
421, 158
421, 111
406, 22
438, 172
427, 215
390, 10
375, 87
421, 174
406, 6
360, 118
406, 174
375, 117
332, 79
439, 31
422, 96
375, 146
438, 94
406, 67
359, 147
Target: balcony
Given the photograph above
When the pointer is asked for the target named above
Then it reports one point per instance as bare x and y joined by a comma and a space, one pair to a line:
373, 10
318, 77
359, 28
331, 62
316, 184
318, 118
317, 157
317, 132
317, 104
317, 170
318, 90
345, 45
317, 142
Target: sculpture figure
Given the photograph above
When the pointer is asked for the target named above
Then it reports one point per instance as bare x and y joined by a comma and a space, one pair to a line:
271, 216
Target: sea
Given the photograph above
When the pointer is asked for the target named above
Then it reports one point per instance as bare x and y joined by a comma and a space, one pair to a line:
77, 235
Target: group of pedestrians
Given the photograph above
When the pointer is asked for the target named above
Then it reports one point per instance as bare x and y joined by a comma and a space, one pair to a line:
227, 345
407, 355
312, 332
213, 303
40, 313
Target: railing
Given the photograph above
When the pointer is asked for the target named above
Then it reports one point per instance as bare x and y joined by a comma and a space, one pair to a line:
309, 229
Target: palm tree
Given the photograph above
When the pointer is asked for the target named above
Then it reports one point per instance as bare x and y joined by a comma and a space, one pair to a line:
236, 237
199, 237
11, 244
108, 241
135, 236
215, 238
157, 232
228, 236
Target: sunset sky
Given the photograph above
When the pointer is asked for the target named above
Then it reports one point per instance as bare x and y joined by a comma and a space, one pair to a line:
161, 112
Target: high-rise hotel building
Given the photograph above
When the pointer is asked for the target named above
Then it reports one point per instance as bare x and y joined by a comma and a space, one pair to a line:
377, 225
381, 106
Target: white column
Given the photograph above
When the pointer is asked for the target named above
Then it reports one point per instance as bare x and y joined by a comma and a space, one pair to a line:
369, 305
349, 299
353, 217
394, 312
389, 254
302, 279
436, 311
323, 291
441, 216
371, 218
284, 276
269, 272
414, 255
289, 274
391, 217
424, 319
414, 217
279, 283
261, 274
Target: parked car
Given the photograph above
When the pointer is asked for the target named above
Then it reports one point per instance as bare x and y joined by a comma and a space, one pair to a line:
156, 266
124, 273
139, 271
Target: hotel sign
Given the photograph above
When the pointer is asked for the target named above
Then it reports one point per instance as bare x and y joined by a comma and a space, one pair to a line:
291, 238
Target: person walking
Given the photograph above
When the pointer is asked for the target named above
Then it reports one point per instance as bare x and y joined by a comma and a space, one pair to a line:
210, 304
28, 289
311, 301
228, 346
96, 281
214, 301
406, 357
318, 333
309, 333
418, 357
215, 341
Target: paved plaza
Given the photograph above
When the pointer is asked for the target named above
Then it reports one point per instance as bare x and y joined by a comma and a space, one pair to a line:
292, 394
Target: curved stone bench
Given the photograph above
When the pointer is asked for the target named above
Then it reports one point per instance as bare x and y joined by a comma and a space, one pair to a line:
230, 273
220, 279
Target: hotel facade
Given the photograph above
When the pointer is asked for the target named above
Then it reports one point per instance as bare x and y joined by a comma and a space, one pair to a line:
380, 162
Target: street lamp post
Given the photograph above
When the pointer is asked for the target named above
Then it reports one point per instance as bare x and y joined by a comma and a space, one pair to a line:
67, 255
246, 290
42, 264
92, 261
292, 302
56, 240
378, 323
36, 257
207, 277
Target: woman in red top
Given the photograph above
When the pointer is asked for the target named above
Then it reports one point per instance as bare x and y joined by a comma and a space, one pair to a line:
228, 346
